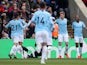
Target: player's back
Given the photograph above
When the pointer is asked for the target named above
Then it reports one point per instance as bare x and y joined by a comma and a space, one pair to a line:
41, 18
14, 25
21, 29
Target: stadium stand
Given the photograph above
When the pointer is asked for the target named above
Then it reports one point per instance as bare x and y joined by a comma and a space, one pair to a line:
77, 7
28, 7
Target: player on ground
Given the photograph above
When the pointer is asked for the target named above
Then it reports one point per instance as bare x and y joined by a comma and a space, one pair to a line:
41, 19
63, 33
78, 36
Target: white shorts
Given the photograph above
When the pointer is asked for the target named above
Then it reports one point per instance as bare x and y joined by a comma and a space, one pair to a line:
21, 38
49, 41
78, 39
41, 36
63, 37
15, 39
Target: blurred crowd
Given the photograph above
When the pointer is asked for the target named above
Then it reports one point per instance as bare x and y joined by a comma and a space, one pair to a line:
27, 9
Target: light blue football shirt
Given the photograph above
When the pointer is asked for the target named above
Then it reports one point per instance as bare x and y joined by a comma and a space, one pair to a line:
15, 26
50, 29
62, 24
41, 18
78, 27
21, 32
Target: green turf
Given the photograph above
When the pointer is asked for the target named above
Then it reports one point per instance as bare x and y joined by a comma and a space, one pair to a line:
48, 62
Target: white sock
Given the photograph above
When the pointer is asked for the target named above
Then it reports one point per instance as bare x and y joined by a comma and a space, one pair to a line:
38, 48
60, 48
78, 54
44, 53
13, 50
48, 50
20, 50
80, 50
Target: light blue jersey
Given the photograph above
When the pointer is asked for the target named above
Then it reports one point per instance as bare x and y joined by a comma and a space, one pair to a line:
78, 28
15, 26
62, 24
50, 29
41, 19
21, 32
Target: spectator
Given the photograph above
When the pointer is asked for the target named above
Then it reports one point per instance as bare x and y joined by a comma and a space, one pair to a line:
5, 35
32, 5
54, 7
12, 9
25, 13
48, 2
24, 3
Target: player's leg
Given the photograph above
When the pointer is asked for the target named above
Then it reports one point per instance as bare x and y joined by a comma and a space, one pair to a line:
14, 47
49, 46
66, 40
21, 47
77, 46
21, 42
81, 45
60, 39
38, 45
44, 53
38, 41
44, 46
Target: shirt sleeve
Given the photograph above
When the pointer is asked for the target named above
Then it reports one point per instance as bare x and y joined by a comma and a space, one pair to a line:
24, 23
8, 25
34, 18
51, 24
83, 25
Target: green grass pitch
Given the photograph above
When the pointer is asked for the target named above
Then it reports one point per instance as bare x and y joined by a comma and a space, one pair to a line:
48, 62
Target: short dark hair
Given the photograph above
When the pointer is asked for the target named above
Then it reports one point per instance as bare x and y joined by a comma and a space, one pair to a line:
62, 12
42, 5
15, 15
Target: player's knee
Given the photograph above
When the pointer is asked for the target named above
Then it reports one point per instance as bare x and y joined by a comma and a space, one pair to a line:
76, 44
81, 44
38, 48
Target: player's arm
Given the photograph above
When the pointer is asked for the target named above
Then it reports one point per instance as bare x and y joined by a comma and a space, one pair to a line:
84, 26
51, 23
6, 25
31, 22
26, 25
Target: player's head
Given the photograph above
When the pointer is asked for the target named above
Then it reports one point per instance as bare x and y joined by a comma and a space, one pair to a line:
20, 14
42, 5
77, 18
62, 14
16, 15
49, 9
